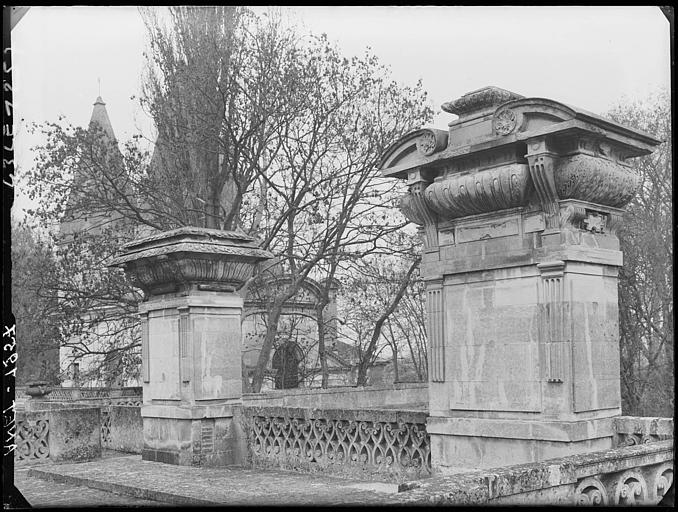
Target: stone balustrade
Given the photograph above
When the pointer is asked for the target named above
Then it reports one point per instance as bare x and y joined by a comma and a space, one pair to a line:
382, 445
630, 475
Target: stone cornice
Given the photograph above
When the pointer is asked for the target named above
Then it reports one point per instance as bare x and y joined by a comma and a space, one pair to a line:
479, 165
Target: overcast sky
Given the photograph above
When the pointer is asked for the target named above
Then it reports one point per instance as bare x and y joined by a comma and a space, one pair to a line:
591, 57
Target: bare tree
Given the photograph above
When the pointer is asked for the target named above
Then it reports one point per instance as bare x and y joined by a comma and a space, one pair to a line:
646, 279
258, 129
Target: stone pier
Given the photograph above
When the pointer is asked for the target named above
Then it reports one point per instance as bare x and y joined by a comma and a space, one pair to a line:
519, 203
190, 336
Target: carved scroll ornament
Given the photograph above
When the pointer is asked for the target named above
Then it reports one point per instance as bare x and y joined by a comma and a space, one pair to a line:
32, 439
590, 492
415, 208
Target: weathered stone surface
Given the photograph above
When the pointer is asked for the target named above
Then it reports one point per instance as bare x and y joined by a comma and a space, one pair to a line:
596, 477
75, 434
126, 428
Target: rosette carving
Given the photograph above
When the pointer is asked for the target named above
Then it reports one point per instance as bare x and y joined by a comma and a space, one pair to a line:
431, 141
595, 180
484, 191
504, 122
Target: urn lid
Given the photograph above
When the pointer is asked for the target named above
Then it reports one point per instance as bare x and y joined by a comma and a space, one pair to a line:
191, 239
479, 100
210, 259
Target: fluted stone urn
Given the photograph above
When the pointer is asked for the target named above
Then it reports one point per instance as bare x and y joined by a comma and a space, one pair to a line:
207, 259
191, 341
519, 204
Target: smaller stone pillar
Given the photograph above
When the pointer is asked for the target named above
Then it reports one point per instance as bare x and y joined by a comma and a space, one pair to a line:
190, 337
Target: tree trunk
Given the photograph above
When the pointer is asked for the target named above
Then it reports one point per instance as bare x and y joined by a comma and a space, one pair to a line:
246, 387
366, 361
265, 353
321, 346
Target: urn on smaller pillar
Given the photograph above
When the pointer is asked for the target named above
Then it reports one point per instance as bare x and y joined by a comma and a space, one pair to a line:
37, 390
190, 341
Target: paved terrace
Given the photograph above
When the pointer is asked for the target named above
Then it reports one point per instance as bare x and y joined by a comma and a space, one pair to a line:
126, 480
123, 480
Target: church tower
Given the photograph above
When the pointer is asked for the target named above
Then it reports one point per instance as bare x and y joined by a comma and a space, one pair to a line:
84, 213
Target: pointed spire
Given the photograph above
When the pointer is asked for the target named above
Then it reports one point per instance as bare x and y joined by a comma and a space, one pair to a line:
100, 117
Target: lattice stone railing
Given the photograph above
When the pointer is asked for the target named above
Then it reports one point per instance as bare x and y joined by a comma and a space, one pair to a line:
105, 428
32, 438
387, 445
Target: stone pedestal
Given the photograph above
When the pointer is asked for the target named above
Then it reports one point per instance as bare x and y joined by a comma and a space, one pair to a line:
518, 206
190, 336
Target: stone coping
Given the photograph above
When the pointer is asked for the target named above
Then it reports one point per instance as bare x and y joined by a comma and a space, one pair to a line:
211, 250
194, 241
545, 430
277, 393
193, 232
374, 415
46, 407
189, 412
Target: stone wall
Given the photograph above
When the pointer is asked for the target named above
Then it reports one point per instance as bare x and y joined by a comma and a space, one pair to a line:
396, 396
122, 428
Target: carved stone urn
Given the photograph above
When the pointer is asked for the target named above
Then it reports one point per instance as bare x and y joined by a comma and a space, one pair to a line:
191, 257
191, 341
38, 389
519, 204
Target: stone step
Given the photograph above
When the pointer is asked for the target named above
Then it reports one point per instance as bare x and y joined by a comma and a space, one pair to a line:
127, 490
